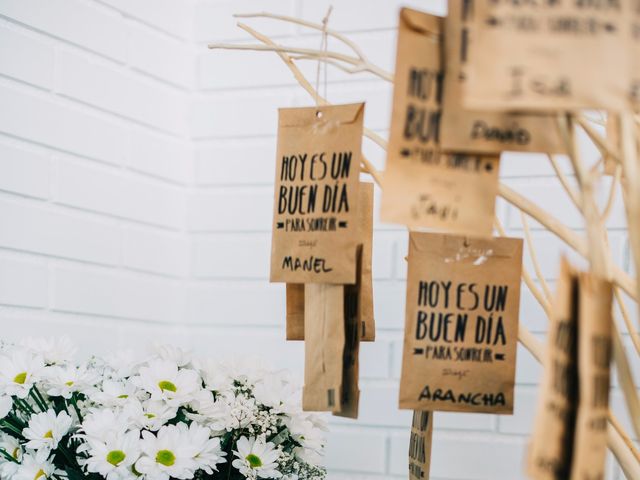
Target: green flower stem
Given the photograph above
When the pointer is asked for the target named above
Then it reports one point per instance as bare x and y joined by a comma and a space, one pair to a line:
37, 400
24, 406
74, 402
43, 402
7, 455
8, 426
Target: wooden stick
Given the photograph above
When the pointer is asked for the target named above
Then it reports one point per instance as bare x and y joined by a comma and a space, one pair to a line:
563, 180
626, 380
635, 337
620, 429
534, 257
601, 143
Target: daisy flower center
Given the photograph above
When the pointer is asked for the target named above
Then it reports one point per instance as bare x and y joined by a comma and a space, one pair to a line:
69, 383
254, 460
115, 457
16, 453
40, 473
124, 395
20, 378
167, 385
165, 457
49, 434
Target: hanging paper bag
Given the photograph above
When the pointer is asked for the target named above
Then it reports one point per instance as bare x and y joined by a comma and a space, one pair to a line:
548, 56
464, 130
461, 329
295, 292
550, 451
316, 195
422, 187
420, 445
594, 361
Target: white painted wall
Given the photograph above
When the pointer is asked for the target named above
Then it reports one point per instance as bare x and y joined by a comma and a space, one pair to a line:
136, 175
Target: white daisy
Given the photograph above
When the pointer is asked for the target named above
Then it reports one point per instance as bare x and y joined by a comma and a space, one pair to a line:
64, 381
33, 469
166, 455
277, 392
205, 451
54, 350
103, 424
114, 458
214, 375
124, 363
19, 370
11, 446
6, 404
44, 432
164, 381
150, 414
116, 393
256, 459
172, 353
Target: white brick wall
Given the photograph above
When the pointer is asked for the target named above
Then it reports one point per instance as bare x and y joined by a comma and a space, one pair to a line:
136, 171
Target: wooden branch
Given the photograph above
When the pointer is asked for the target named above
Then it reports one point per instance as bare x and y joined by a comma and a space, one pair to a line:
626, 379
312, 25
633, 334
564, 181
601, 143
534, 257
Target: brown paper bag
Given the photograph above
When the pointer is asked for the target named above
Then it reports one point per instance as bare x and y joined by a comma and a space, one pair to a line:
465, 130
349, 389
295, 292
332, 347
461, 329
295, 311
594, 357
323, 347
365, 222
316, 194
423, 187
559, 55
420, 445
549, 456
633, 32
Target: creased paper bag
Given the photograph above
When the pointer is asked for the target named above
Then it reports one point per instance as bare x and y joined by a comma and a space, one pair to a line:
560, 55
332, 346
594, 357
295, 292
422, 187
549, 456
420, 445
464, 130
461, 327
315, 227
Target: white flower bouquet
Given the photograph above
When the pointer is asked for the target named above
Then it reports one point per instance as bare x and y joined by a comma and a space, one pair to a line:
167, 416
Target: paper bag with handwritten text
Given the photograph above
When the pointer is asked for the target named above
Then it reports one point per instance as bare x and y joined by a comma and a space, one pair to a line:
559, 55
461, 327
315, 227
295, 292
594, 358
332, 346
464, 130
420, 445
422, 187
549, 456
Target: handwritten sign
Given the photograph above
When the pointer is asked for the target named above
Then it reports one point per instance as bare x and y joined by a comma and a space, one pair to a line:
464, 130
420, 445
552, 445
423, 187
633, 34
461, 327
548, 55
316, 195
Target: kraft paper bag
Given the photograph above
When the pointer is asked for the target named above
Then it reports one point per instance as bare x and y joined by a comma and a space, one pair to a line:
332, 346
464, 130
549, 455
315, 227
365, 222
295, 292
422, 187
595, 297
323, 347
420, 445
295, 311
461, 328
560, 55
